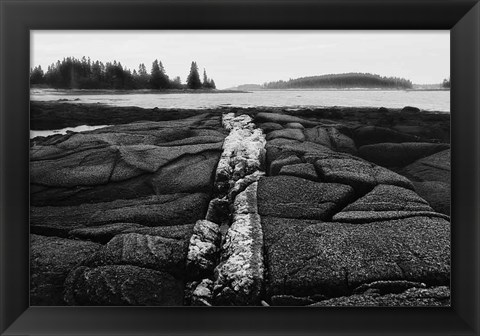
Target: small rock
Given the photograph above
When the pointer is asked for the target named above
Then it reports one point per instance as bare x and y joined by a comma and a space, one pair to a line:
411, 109
204, 248
294, 125
203, 293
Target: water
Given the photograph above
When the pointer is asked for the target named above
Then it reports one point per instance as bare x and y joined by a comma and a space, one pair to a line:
34, 133
425, 100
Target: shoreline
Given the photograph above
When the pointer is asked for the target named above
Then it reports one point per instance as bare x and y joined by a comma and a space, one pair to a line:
228, 90
60, 115
50, 115
141, 91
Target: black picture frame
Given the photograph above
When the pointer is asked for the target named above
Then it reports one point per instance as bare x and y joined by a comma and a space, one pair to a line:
18, 17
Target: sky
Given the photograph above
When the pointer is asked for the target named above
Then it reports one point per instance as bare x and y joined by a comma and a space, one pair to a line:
233, 57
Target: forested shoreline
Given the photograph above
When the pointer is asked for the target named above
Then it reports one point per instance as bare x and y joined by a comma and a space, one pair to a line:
72, 73
346, 80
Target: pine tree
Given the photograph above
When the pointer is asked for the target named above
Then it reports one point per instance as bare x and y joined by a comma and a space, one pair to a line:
446, 83
193, 79
158, 78
37, 76
205, 83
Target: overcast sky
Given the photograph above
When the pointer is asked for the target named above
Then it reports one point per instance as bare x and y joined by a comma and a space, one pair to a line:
239, 57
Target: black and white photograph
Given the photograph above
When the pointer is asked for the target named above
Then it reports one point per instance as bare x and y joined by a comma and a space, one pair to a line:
297, 168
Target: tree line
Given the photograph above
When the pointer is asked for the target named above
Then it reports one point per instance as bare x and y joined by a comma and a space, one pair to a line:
72, 73
347, 80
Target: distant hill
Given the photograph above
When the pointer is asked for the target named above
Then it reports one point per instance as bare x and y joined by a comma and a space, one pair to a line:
428, 87
248, 87
346, 80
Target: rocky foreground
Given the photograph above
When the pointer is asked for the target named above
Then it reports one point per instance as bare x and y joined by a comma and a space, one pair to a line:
324, 207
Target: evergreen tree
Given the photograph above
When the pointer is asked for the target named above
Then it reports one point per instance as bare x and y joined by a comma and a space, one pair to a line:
446, 83
193, 79
205, 79
158, 78
176, 83
142, 78
37, 76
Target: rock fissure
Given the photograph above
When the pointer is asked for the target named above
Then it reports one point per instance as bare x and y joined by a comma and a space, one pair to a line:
228, 269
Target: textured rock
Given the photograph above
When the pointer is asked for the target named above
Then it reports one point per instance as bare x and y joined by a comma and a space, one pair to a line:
411, 109
102, 234
122, 286
275, 228
399, 154
437, 194
203, 293
289, 133
281, 119
51, 260
241, 184
359, 174
270, 126
435, 167
191, 173
366, 135
302, 170
294, 125
331, 137
124, 162
290, 300
95, 166
218, 210
388, 287
180, 232
414, 297
306, 148
282, 161
386, 202
333, 258
154, 252
293, 197
203, 250
163, 210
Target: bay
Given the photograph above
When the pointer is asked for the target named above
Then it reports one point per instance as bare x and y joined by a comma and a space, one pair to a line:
424, 100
